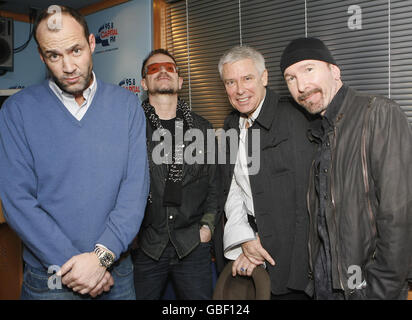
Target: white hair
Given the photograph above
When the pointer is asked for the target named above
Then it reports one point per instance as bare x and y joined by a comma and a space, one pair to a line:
239, 53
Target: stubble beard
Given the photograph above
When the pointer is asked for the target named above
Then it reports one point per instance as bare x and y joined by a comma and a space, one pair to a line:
170, 89
312, 108
164, 91
84, 83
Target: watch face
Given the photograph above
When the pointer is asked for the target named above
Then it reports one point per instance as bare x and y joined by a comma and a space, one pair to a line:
106, 259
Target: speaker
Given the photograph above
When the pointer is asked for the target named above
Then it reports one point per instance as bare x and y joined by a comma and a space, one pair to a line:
6, 44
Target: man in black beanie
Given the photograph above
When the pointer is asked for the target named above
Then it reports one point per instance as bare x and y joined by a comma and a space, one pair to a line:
360, 193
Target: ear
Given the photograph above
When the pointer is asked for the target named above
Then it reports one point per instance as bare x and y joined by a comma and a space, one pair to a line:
264, 77
92, 42
335, 71
143, 84
180, 82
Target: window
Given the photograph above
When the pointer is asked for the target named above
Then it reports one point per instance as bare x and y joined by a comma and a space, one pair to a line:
370, 40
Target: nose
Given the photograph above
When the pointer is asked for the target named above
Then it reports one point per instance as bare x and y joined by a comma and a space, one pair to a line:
240, 88
162, 71
68, 65
300, 84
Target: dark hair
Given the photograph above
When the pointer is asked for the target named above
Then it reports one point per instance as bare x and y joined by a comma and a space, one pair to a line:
64, 10
151, 54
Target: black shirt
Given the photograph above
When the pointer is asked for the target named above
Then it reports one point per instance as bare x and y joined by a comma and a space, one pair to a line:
170, 126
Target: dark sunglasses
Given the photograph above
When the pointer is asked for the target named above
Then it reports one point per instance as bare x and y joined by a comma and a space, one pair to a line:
155, 67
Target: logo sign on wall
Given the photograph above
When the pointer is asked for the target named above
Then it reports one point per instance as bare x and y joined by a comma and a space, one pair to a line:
106, 37
130, 84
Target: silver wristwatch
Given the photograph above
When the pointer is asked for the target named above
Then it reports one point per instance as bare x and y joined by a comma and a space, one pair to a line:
106, 257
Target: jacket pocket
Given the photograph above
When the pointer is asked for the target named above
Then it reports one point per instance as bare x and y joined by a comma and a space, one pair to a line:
277, 155
274, 142
36, 280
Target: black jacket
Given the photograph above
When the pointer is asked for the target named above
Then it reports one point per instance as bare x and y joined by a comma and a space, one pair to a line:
199, 200
369, 216
279, 188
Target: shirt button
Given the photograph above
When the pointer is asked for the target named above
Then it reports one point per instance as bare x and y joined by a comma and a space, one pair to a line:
325, 170
170, 217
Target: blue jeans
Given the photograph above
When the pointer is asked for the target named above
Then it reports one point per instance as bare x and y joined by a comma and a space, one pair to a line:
35, 285
191, 276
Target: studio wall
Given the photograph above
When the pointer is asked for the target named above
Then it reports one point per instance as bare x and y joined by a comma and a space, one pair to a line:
124, 36
28, 69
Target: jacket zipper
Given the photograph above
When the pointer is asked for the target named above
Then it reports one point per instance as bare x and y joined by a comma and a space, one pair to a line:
310, 223
334, 209
365, 173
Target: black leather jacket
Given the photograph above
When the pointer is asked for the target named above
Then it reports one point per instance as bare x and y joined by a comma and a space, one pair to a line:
369, 216
181, 224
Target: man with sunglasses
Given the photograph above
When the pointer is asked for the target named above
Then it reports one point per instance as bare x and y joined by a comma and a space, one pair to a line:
174, 240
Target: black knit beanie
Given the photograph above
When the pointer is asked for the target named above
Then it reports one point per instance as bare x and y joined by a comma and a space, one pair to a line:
305, 49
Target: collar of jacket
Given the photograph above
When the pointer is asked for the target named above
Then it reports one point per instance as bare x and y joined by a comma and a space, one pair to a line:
266, 115
348, 100
331, 118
